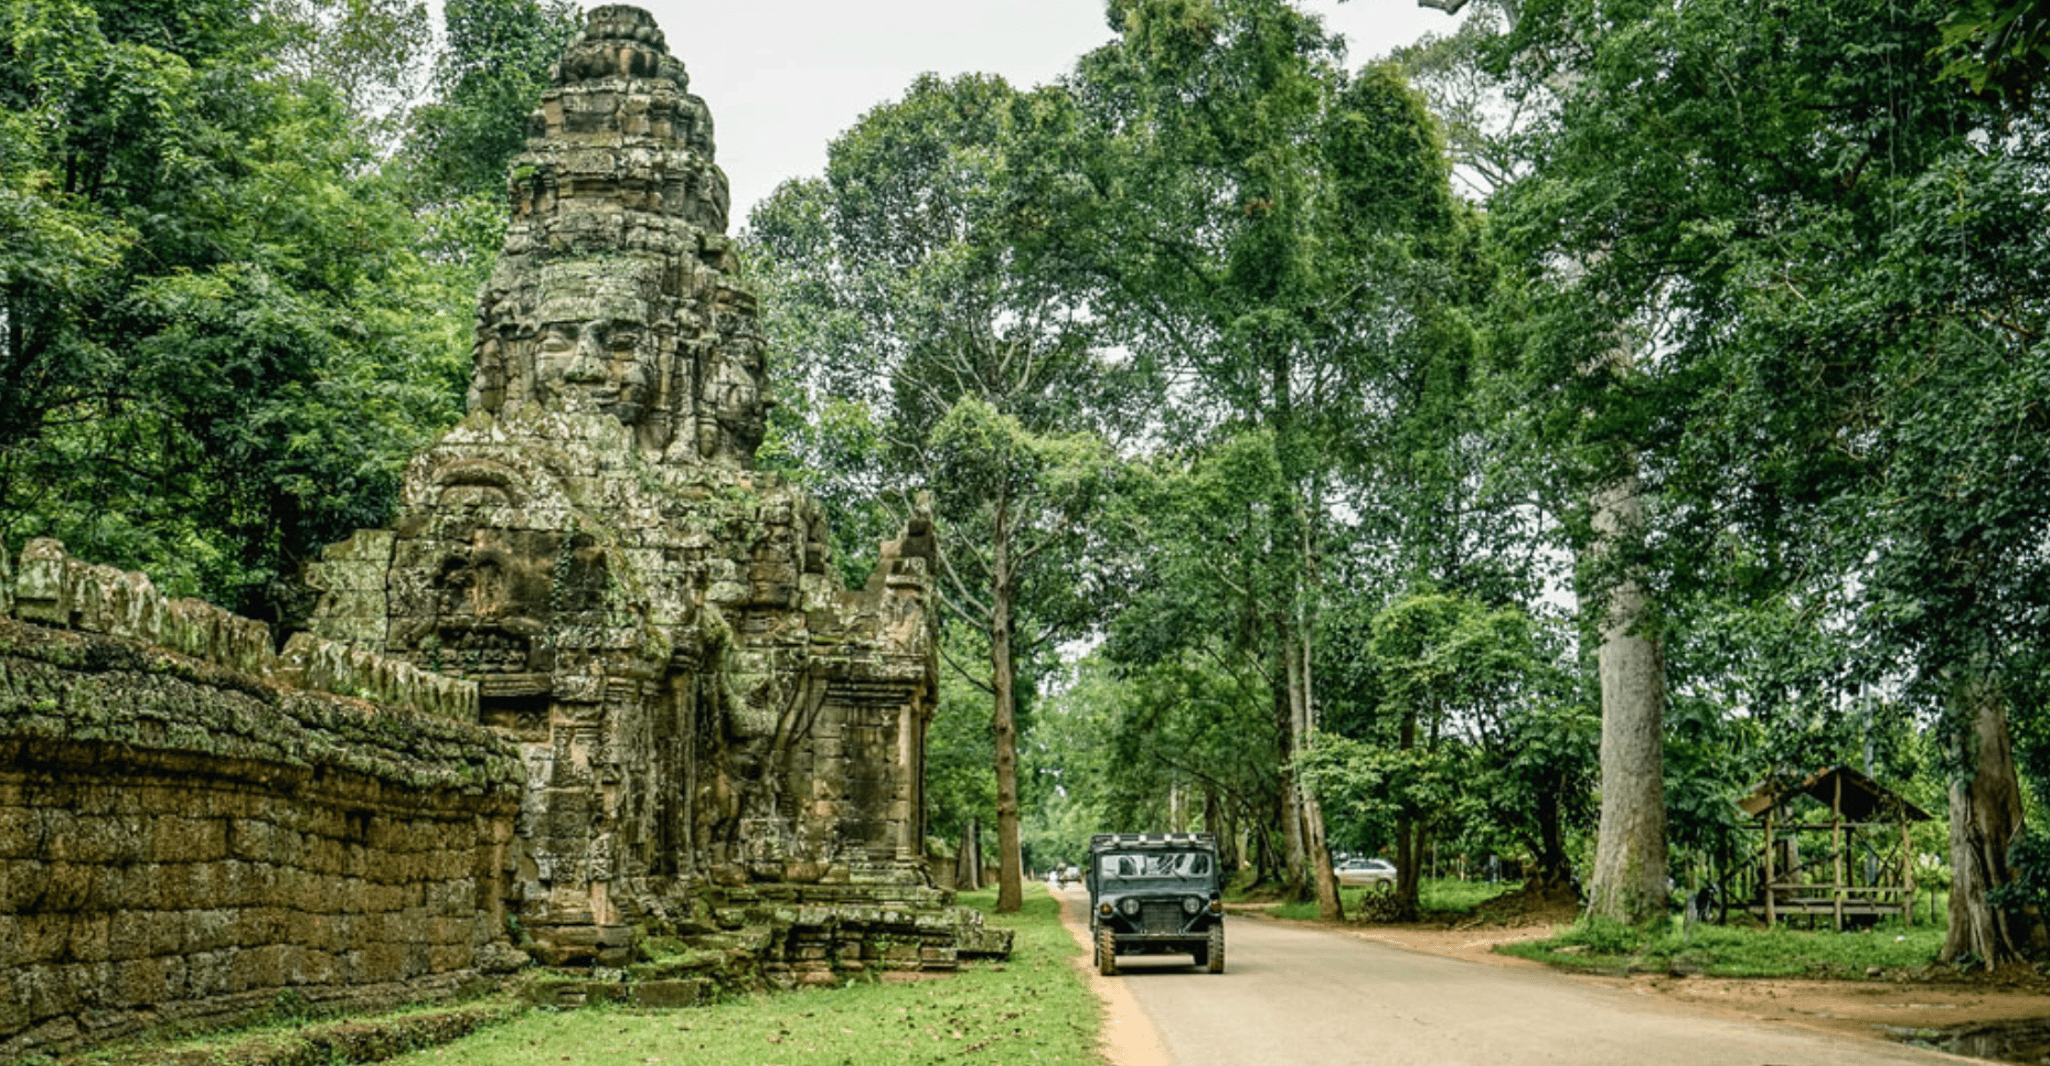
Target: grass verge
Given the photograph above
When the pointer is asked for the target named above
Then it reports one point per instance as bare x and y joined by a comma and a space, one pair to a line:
1436, 896
1033, 1008
1732, 951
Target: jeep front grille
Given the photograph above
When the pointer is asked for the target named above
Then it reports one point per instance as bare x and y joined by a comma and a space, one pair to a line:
1161, 918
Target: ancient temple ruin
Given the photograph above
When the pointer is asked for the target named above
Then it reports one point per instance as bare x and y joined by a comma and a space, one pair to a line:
596, 698
708, 718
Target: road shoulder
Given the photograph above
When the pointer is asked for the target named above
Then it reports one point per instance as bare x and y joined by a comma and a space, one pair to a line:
1129, 1037
1863, 1009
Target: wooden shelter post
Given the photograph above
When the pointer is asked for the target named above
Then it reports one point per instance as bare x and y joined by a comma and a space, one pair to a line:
1836, 848
1770, 877
1907, 878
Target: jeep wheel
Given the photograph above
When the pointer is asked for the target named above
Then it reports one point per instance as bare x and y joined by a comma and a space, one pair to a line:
1215, 955
1106, 953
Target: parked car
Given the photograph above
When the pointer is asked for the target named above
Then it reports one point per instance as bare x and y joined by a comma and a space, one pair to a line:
1379, 873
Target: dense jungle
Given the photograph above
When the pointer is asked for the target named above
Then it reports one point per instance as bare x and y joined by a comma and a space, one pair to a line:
1505, 453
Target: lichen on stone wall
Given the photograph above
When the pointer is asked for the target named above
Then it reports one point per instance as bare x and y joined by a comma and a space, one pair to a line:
184, 842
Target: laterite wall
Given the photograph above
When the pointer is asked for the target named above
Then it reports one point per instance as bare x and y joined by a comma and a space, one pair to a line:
181, 841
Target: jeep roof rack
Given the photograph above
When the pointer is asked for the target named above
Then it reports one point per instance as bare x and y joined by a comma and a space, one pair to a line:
1141, 840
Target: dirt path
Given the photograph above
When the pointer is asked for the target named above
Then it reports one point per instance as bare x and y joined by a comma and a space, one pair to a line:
1300, 993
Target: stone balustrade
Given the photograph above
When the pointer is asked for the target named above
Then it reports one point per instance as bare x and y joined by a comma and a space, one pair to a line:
51, 587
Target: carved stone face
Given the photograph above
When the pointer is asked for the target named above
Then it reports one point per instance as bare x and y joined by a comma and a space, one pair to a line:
738, 394
605, 364
735, 398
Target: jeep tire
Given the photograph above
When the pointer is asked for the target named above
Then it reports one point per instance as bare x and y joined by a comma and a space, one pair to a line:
1214, 955
1106, 953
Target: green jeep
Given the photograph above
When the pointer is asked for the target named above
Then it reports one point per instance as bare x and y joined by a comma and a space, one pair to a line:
1155, 894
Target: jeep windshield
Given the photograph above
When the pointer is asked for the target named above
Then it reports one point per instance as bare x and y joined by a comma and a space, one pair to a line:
1154, 866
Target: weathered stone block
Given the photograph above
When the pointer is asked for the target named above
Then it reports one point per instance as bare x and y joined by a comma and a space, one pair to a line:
671, 993
179, 838
40, 589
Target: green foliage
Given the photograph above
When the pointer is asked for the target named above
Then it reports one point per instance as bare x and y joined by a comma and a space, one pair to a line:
935, 361
1190, 727
1278, 235
2031, 858
498, 57
958, 784
370, 53
1500, 757
1816, 246
1070, 770
219, 346
1999, 48
1837, 274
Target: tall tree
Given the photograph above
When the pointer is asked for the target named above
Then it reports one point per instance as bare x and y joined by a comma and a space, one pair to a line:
372, 54
1798, 215
1252, 214
899, 296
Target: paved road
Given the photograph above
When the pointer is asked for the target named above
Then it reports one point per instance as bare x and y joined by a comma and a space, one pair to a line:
1291, 995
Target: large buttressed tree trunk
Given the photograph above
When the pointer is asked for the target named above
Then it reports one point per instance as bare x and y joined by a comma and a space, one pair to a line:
1629, 883
1985, 820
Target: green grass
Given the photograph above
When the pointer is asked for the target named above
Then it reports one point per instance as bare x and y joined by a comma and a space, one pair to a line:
1034, 1008
1442, 895
1732, 951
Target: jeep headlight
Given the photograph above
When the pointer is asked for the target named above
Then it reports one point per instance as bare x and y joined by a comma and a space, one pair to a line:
1130, 905
1191, 905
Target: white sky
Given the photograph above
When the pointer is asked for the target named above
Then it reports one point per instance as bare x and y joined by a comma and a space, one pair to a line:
784, 77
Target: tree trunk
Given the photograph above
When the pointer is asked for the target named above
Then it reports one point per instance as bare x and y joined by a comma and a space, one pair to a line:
1985, 820
1215, 824
1004, 721
1553, 873
1295, 860
1629, 883
1409, 852
968, 865
1266, 867
1303, 719
1005, 734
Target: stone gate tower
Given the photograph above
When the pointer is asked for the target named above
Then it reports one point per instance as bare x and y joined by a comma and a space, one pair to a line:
714, 729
